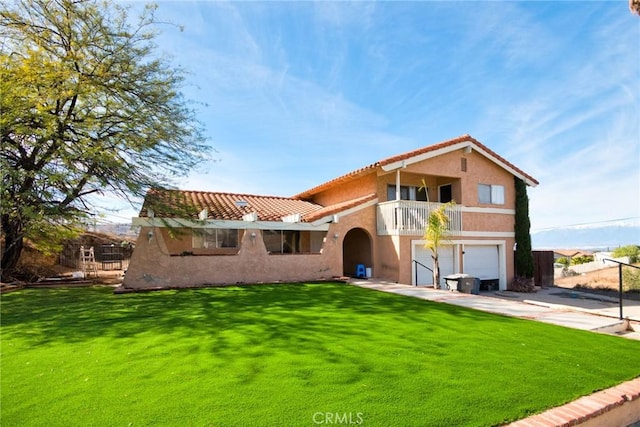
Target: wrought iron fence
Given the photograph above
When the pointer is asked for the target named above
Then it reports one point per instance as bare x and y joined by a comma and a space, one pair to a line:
108, 257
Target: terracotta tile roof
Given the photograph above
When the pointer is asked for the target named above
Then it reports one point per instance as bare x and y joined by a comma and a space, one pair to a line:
408, 155
225, 206
230, 206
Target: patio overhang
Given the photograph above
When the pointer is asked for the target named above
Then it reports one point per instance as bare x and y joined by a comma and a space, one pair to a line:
240, 225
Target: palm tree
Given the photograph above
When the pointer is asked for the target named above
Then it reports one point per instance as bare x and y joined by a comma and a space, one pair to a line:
435, 234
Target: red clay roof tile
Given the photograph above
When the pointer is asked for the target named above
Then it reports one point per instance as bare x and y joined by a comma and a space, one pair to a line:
225, 206
231, 206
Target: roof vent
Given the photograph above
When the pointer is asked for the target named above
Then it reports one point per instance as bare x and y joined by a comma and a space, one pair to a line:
292, 218
251, 217
241, 203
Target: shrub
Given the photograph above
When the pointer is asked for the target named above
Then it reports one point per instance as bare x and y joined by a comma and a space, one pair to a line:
581, 259
630, 279
523, 256
632, 251
563, 260
522, 284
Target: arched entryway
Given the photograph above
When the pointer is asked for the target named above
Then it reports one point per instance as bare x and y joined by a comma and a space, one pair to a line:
356, 249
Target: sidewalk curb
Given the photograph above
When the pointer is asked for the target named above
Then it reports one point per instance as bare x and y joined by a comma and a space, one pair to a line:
615, 406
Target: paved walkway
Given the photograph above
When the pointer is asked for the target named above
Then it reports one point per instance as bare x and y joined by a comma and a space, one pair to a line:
616, 406
558, 306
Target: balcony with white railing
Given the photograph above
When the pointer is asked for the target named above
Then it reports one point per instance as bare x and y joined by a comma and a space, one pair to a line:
409, 218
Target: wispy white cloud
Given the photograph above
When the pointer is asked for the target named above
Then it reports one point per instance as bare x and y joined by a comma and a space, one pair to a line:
576, 128
281, 126
299, 93
344, 15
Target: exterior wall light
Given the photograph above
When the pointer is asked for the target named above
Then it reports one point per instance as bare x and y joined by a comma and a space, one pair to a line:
335, 237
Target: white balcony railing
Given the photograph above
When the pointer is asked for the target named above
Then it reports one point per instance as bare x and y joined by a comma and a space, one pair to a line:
406, 217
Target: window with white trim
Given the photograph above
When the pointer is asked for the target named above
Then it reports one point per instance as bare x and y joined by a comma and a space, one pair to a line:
214, 238
407, 193
491, 194
293, 241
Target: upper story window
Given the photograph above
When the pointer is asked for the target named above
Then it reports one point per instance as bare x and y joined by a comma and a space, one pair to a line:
212, 238
293, 241
491, 194
407, 193
445, 193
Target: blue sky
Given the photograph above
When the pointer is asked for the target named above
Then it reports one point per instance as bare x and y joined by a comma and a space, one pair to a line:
296, 93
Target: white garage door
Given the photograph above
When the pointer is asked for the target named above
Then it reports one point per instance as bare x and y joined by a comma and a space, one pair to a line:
482, 261
423, 256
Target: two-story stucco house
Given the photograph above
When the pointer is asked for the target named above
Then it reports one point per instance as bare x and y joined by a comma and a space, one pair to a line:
373, 216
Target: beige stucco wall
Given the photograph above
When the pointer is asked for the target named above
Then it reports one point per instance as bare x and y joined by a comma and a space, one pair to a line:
360, 186
447, 169
388, 259
153, 265
482, 170
476, 221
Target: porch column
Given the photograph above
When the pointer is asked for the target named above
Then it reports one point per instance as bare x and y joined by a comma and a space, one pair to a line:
397, 184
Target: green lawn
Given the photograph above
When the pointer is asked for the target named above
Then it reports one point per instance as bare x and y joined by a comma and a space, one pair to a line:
283, 355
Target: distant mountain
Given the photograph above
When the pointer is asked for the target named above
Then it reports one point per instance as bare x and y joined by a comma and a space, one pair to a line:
123, 229
603, 237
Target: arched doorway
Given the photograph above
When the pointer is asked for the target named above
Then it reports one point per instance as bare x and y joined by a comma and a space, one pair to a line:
356, 249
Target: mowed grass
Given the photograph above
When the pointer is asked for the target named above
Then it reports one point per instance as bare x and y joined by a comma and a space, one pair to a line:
286, 355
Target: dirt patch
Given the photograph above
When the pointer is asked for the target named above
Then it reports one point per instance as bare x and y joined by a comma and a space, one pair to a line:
602, 282
607, 278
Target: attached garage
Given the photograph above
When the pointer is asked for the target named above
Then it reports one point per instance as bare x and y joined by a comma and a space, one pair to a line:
484, 262
484, 259
446, 257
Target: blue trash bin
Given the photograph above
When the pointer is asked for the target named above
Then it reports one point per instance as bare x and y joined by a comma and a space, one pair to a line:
361, 271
